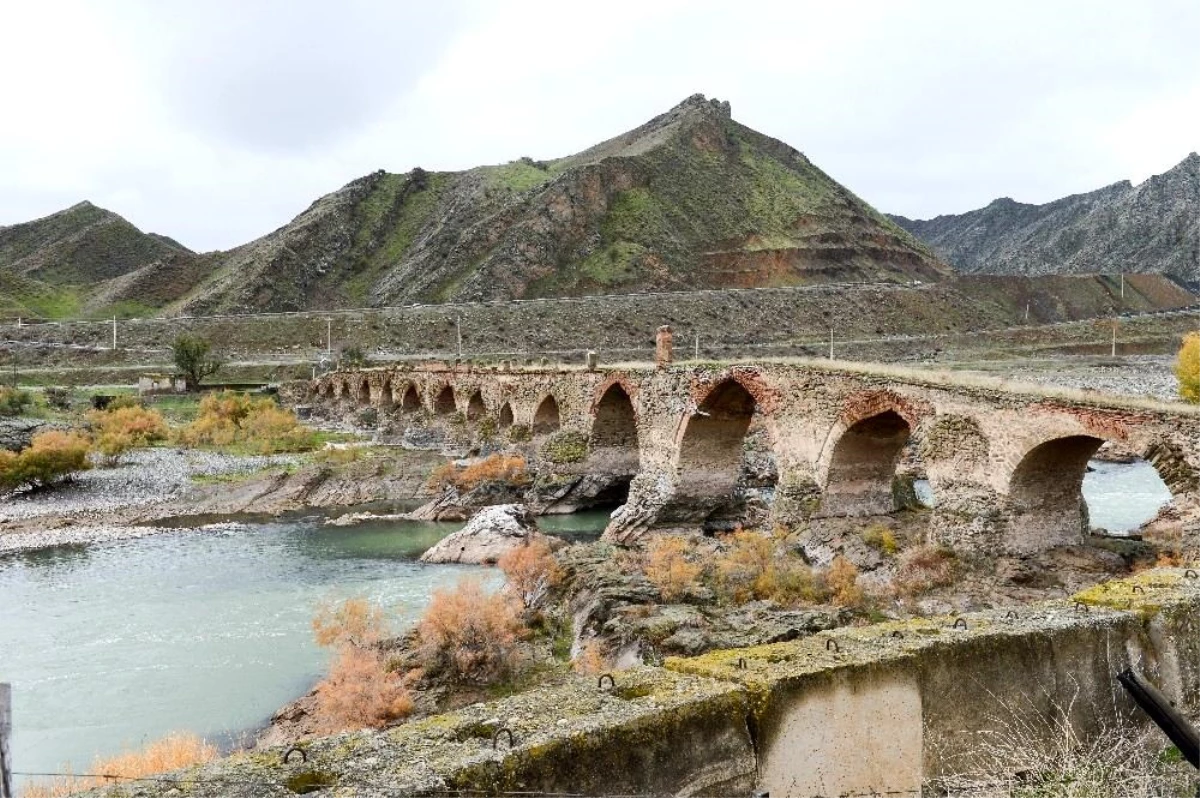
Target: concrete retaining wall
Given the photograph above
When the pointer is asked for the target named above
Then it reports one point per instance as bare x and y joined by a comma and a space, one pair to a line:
880, 708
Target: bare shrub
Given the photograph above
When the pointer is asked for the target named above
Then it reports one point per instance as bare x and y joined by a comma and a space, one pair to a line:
531, 571
508, 469
842, 579
176, 750
470, 635
353, 622
668, 567
1026, 751
924, 568
360, 692
590, 659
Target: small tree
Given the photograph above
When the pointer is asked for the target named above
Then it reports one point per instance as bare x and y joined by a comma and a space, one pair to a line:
193, 360
1187, 368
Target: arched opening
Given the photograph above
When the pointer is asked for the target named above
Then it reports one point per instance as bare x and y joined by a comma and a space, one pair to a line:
1123, 492
363, 396
506, 416
547, 419
614, 439
710, 454
444, 404
475, 407
1046, 504
385, 395
411, 401
345, 392
862, 468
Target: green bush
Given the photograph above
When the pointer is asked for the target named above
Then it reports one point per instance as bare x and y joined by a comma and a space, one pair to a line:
568, 446
14, 402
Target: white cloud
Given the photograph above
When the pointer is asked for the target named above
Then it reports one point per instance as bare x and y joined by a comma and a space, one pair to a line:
217, 122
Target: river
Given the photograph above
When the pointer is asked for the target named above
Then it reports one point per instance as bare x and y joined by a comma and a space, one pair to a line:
110, 646
113, 645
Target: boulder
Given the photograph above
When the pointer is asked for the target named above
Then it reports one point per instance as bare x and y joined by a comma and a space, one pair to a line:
488, 535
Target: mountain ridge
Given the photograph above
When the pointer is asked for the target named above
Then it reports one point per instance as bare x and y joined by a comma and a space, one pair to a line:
1150, 227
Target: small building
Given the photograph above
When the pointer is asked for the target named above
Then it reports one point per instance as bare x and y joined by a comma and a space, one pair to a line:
161, 383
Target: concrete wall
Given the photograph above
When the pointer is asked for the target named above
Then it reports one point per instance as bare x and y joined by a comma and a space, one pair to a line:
883, 708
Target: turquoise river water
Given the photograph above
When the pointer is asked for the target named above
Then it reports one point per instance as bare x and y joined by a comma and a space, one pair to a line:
112, 645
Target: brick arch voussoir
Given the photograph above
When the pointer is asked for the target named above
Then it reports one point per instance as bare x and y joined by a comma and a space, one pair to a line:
628, 385
767, 400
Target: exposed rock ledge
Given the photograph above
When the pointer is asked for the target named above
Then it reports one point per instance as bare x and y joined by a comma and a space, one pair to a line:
492, 532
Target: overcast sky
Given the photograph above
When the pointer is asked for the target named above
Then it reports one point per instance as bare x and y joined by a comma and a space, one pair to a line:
216, 121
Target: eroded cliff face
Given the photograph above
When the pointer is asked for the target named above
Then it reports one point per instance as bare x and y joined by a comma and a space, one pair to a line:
1151, 227
691, 199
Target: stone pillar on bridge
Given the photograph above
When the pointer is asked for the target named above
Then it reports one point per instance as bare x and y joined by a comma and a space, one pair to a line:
663, 345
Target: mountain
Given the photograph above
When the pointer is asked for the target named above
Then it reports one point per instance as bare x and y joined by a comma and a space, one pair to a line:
1153, 227
51, 265
691, 199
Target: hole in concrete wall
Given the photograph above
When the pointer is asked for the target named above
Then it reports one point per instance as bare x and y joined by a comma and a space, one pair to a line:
546, 419
444, 404
506, 416
475, 407
411, 400
710, 455
862, 469
1045, 493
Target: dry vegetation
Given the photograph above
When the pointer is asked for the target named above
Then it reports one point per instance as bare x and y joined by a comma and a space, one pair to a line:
508, 469
52, 457
231, 419
176, 750
119, 428
531, 573
470, 636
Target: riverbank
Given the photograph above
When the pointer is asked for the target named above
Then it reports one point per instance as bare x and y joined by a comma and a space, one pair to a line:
160, 490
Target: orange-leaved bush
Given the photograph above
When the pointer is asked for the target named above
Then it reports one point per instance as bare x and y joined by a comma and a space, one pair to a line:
360, 690
668, 567
124, 428
231, 418
51, 457
176, 750
470, 635
531, 571
509, 469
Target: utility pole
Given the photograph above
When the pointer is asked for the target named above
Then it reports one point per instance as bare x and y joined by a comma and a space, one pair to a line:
1114, 338
831, 342
1122, 285
114, 333
328, 337
458, 334
6, 768
1027, 304
696, 354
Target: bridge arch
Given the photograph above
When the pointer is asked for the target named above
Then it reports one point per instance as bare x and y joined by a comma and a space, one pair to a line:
862, 452
476, 409
547, 418
362, 392
443, 402
505, 416
1045, 493
614, 436
345, 391
710, 449
410, 400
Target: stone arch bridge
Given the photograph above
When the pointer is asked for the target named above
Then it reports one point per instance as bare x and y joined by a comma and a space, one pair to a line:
1005, 466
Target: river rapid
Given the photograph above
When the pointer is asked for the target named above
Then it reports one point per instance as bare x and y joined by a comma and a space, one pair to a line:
112, 645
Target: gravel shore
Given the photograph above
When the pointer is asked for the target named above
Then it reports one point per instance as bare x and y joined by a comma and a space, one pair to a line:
82, 511
1143, 376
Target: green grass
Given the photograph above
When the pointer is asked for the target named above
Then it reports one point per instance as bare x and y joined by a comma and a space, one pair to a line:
518, 175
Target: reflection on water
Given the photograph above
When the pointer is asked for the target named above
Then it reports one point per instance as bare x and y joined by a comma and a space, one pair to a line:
1120, 496
113, 645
